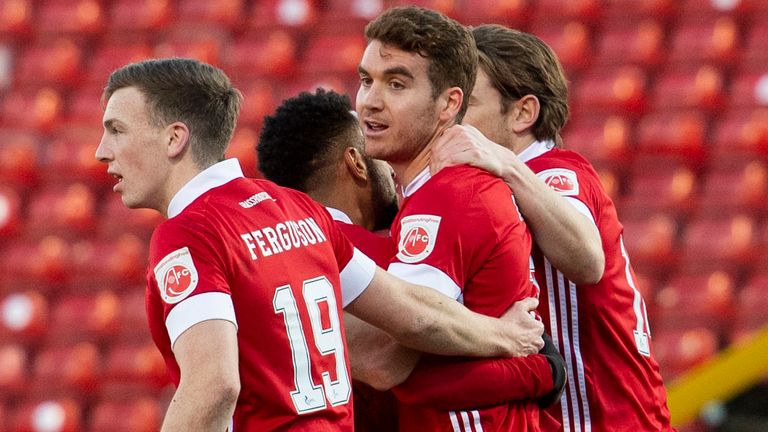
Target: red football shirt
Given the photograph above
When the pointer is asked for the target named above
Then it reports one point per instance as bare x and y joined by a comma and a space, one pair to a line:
461, 233
273, 262
601, 330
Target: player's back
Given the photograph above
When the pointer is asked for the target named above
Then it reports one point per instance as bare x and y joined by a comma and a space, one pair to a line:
462, 233
601, 330
278, 252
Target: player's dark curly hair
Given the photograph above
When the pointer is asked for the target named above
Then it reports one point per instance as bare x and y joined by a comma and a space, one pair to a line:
303, 139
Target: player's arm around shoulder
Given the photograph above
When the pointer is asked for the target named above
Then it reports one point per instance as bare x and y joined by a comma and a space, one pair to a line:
205, 400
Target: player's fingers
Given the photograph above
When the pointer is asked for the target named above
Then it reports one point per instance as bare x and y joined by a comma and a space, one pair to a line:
529, 304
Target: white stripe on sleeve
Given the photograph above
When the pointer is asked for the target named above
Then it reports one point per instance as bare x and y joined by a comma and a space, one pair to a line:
356, 276
198, 308
426, 275
581, 208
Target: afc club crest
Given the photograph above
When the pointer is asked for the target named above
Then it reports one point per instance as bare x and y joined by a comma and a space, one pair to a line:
418, 234
563, 181
176, 276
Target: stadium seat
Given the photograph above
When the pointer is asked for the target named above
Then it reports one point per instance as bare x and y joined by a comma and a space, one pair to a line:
114, 261
756, 46
60, 414
132, 17
685, 88
269, 14
659, 185
36, 109
750, 89
633, 10
189, 41
73, 368
127, 414
586, 11
752, 304
71, 17
20, 157
736, 188
679, 133
228, 13
107, 57
71, 150
620, 90
741, 133
138, 364
64, 209
728, 242
602, 140
84, 317
56, 63
243, 147
16, 18
679, 350
704, 9
333, 54
117, 219
715, 40
260, 98
14, 369
641, 45
571, 42
44, 262
610, 180
692, 299
133, 315
344, 83
270, 54
651, 241
10, 212
449, 8
514, 14
23, 317
84, 105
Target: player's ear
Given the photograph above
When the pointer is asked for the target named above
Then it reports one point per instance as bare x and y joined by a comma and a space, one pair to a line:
177, 134
355, 164
523, 113
452, 99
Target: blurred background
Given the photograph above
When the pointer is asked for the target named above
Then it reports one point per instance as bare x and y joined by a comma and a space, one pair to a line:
669, 102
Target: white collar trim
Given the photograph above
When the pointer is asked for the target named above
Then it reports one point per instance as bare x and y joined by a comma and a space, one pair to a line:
416, 183
214, 176
536, 149
339, 215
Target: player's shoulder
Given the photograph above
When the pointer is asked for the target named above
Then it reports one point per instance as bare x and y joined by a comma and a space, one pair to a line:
564, 170
462, 181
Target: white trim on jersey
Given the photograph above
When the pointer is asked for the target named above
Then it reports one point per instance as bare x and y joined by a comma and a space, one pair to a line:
198, 308
564, 321
466, 425
356, 276
214, 176
339, 215
581, 208
426, 275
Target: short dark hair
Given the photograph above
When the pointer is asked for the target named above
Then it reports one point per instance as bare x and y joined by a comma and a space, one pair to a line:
519, 64
197, 94
448, 46
304, 138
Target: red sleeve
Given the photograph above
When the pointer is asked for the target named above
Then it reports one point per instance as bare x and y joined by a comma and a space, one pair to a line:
450, 384
378, 248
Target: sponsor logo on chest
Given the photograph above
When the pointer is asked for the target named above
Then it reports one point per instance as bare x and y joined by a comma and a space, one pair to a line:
283, 237
176, 276
418, 235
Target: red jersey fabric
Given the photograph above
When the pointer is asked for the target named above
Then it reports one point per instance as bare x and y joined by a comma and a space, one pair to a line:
601, 330
461, 233
273, 262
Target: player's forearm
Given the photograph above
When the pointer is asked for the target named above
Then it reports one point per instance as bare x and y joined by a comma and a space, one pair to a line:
374, 357
567, 238
201, 408
454, 384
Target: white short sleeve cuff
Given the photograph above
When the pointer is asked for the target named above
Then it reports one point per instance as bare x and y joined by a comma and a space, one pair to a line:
581, 208
426, 275
356, 276
199, 308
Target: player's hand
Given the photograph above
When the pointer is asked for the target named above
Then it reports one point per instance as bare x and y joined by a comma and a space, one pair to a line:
526, 328
465, 145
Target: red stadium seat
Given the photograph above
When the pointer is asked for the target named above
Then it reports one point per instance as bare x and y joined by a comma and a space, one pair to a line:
108, 57
742, 132
23, 316
659, 185
703, 9
85, 317
756, 46
127, 414
74, 368
586, 11
229, 13
45, 262
117, 219
84, 105
736, 189
190, 41
690, 300
641, 44
114, 261
333, 53
602, 140
19, 157
64, 414
16, 18
678, 351
10, 212
243, 147
610, 180
71, 150
269, 14
144, 16
514, 14
728, 242
750, 89
752, 304
270, 54
680, 133
57, 63
651, 241
699, 88
449, 8
138, 364
260, 98
634, 10
620, 90
37, 109
571, 42
133, 315
66, 209
715, 40
340, 83
77, 18
14, 369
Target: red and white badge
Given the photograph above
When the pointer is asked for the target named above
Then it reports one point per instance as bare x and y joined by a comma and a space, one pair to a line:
418, 234
563, 181
176, 276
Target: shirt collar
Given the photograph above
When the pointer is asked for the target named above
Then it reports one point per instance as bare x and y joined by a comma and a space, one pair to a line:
536, 149
214, 176
339, 215
416, 183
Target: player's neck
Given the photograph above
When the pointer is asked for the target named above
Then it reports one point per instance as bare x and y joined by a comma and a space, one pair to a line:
406, 172
519, 144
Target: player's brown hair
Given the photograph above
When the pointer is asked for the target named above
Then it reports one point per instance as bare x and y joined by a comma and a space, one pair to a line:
519, 64
447, 45
197, 94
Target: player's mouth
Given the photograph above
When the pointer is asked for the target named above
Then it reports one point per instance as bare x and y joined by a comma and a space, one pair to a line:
119, 179
374, 128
